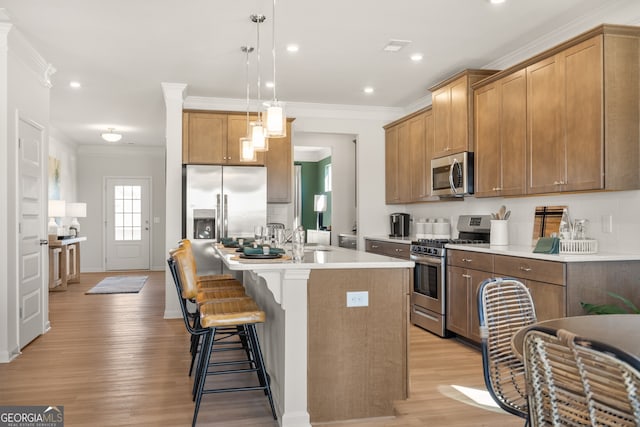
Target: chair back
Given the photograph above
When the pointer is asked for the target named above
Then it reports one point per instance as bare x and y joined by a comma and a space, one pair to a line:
611, 379
186, 315
186, 245
504, 306
186, 272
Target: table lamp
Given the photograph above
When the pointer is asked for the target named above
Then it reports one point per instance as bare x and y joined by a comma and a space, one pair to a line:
319, 206
56, 210
75, 211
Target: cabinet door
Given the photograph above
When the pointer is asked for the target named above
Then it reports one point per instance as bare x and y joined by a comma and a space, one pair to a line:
441, 102
279, 169
584, 128
548, 299
487, 141
417, 155
513, 134
391, 165
404, 162
236, 129
457, 300
206, 138
475, 280
459, 136
545, 144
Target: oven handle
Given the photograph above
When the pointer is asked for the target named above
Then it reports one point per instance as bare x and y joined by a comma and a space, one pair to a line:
436, 261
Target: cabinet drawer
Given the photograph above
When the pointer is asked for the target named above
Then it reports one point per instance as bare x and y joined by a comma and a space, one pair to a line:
530, 269
474, 260
396, 250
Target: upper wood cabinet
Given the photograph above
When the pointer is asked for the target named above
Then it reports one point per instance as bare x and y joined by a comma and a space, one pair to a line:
500, 128
279, 162
408, 158
453, 111
214, 138
582, 111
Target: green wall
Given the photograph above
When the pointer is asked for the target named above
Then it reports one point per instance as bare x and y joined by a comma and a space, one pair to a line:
312, 184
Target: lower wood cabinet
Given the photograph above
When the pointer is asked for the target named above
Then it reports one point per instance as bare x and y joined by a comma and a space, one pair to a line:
462, 305
392, 249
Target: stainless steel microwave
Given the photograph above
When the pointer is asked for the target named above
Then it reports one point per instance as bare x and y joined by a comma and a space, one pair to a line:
452, 175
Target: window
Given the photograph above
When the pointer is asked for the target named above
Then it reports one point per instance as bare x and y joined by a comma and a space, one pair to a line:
327, 177
128, 212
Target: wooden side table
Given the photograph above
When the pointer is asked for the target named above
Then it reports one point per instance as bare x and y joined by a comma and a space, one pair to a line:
64, 262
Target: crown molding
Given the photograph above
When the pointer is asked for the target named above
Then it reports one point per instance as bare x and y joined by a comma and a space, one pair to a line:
173, 91
298, 109
20, 49
620, 12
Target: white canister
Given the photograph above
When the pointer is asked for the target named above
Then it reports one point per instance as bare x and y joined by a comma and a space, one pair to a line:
441, 230
499, 232
428, 230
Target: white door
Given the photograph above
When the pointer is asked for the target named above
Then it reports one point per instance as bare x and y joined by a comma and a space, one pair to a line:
32, 278
127, 223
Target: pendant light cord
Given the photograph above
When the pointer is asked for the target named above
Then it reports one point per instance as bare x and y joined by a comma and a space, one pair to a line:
273, 34
258, 21
248, 49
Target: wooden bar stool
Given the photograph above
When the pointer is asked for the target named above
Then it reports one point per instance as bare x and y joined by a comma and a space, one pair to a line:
186, 244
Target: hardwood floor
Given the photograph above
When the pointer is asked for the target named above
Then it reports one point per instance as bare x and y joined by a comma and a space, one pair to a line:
112, 360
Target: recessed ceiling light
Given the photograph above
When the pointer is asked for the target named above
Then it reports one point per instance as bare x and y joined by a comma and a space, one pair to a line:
496, 1
368, 89
269, 84
75, 85
292, 48
395, 45
416, 57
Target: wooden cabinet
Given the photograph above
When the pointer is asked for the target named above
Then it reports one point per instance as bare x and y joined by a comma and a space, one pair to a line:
408, 143
546, 280
565, 120
397, 186
582, 110
279, 162
211, 138
392, 249
500, 129
453, 111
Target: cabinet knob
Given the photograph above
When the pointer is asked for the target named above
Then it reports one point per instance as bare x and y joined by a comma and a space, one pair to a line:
527, 269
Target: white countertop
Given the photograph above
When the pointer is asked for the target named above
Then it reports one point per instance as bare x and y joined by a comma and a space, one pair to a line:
317, 257
385, 238
527, 252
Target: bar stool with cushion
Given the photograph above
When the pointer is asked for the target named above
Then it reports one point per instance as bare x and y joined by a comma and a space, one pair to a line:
241, 313
186, 244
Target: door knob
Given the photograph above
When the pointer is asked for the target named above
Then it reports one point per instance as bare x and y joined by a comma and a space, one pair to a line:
44, 242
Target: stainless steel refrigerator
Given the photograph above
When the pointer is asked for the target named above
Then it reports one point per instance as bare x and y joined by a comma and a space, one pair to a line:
221, 201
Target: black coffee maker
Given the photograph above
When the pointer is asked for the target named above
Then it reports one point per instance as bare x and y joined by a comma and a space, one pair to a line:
399, 224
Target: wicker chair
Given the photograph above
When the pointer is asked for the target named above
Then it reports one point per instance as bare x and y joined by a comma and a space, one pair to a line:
577, 381
504, 306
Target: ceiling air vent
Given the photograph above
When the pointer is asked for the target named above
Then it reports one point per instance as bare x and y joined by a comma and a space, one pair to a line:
396, 45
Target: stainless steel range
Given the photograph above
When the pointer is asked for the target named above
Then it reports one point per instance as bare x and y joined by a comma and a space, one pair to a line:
428, 299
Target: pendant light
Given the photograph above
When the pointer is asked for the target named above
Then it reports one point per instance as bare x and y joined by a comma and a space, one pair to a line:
247, 153
258, 134
276, 120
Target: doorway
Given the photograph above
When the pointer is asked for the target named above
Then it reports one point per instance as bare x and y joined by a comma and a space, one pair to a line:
127, 237
31, 271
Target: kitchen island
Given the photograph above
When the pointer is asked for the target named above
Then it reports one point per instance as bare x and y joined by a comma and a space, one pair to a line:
329, 361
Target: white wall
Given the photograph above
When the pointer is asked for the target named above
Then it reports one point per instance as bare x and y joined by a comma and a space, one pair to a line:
95, 162
24, 92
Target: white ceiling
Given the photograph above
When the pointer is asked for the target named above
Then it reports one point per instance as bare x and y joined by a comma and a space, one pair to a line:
122, 50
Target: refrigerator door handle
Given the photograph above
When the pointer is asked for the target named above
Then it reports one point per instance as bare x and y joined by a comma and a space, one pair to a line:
226, 215
218, 216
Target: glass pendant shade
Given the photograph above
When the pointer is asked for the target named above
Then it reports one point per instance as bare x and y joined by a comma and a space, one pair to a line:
247, 153
258, 136
276, 120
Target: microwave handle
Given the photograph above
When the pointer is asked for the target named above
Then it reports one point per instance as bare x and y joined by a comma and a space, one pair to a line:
451, 184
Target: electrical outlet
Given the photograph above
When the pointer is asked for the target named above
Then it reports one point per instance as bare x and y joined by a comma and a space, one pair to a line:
358, 299
607, 223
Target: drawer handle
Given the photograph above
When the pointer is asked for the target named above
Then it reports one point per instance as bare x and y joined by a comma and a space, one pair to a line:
527, 269
398, 250
375, 246
558, 182
466, 276
497, 188
466, 260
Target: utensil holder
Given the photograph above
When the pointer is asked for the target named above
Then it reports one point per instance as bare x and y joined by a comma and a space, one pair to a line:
499, 232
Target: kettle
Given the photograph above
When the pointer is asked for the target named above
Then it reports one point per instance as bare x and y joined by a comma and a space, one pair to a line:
399, 223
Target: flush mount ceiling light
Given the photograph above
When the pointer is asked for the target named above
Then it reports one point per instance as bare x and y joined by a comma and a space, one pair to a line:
395, 45
111, 136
